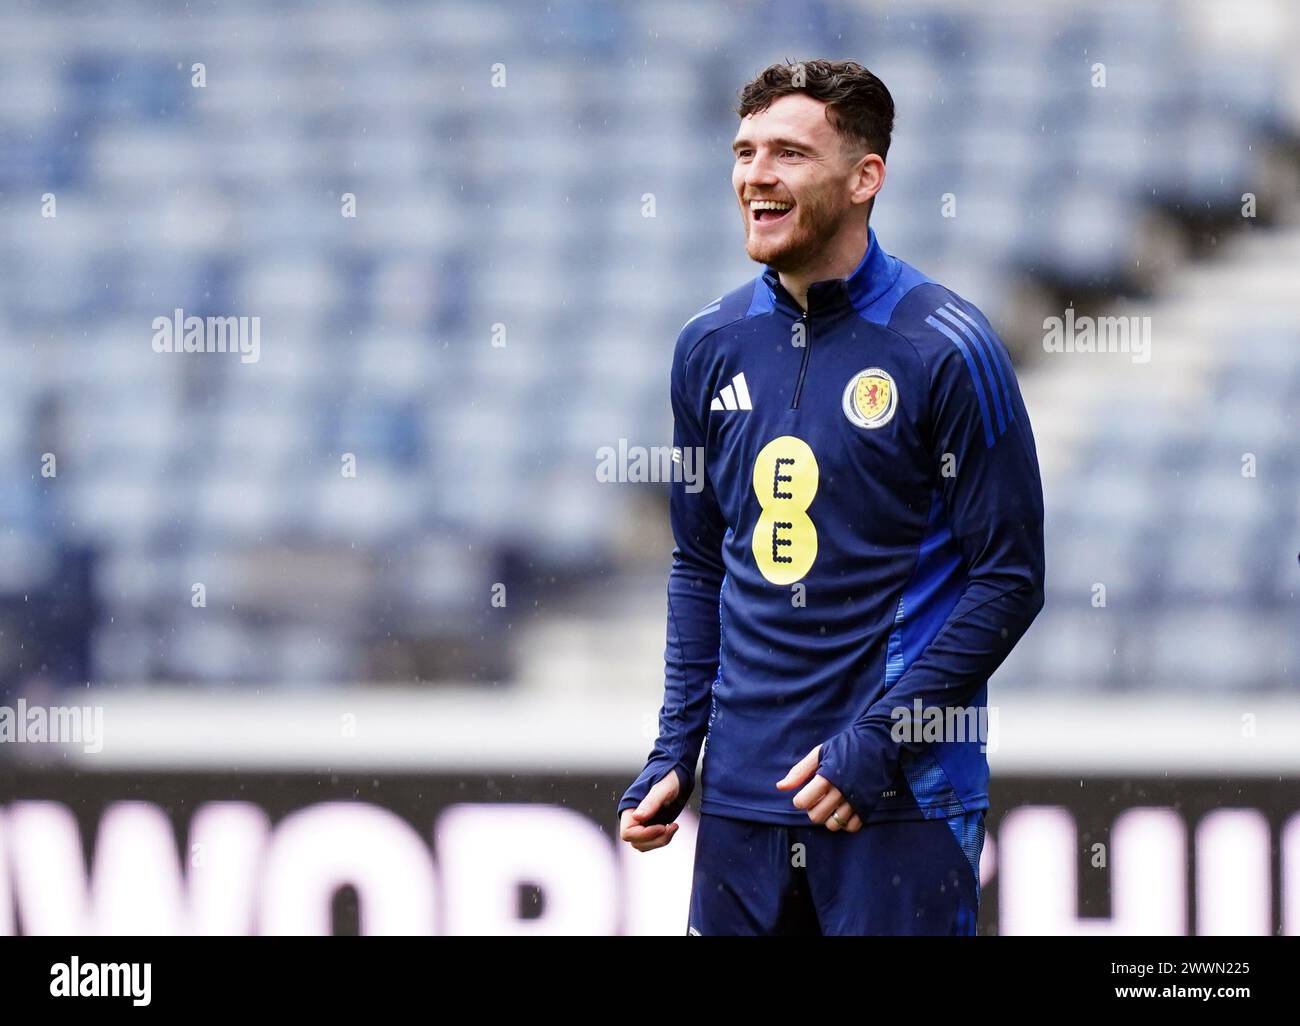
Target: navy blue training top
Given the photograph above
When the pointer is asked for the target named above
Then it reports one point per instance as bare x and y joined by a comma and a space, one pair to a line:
868, 536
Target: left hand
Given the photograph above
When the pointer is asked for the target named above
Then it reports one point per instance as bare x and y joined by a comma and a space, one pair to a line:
820, 798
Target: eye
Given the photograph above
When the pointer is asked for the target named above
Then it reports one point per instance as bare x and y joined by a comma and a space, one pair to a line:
744, 153
791, 153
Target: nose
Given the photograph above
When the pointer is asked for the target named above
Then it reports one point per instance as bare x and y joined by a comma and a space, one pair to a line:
760, 171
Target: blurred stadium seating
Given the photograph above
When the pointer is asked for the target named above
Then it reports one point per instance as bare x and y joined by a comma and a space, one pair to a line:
524, 207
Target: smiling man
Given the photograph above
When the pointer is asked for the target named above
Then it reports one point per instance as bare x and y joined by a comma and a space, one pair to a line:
868, 545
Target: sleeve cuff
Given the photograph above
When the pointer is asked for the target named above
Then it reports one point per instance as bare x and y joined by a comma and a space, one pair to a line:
655, 771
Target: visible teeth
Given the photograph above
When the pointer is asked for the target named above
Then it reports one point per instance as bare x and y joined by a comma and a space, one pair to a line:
769, 205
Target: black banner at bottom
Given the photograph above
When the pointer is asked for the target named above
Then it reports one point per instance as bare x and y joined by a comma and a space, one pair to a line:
146, 976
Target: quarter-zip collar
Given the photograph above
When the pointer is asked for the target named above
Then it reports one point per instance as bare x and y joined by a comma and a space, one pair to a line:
875, 275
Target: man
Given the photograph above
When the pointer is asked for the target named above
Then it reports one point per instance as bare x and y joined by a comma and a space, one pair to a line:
867, 546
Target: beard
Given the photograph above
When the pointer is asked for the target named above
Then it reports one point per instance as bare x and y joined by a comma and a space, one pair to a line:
815, 224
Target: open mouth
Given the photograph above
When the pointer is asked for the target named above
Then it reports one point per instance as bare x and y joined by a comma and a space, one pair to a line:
769, 211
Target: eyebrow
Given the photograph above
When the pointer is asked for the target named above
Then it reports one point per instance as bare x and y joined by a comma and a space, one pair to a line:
781, 141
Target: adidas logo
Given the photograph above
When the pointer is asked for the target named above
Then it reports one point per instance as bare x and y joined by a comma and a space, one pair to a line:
734, 397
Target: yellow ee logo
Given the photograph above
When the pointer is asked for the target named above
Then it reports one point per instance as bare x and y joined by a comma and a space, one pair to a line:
785, 481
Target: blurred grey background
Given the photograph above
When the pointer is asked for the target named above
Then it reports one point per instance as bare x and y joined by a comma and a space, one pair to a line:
500, 307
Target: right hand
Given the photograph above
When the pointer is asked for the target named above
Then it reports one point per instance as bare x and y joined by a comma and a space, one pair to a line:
632, 824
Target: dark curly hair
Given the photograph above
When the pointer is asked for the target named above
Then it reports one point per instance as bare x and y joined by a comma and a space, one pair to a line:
857, 103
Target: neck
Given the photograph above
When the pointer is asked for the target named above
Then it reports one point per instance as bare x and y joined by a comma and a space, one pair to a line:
837, 259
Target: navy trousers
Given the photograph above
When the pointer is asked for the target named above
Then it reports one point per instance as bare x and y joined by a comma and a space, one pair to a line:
914, 877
